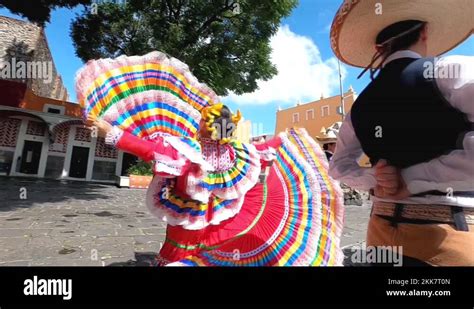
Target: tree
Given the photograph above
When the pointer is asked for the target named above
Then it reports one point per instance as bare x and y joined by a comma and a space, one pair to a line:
225, 42
39, 11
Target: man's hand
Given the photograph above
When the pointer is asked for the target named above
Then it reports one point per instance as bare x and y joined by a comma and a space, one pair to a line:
387, 176
390, 183
401, 194
102, 126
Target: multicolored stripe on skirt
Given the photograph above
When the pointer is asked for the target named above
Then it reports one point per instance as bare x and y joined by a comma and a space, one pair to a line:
298, 223
332, 211
119, 83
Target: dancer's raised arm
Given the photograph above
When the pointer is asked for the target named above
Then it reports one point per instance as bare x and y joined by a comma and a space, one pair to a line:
168, 159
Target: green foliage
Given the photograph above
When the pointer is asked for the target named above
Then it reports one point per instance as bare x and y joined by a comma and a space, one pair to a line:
225, 42
141, 168
39, 11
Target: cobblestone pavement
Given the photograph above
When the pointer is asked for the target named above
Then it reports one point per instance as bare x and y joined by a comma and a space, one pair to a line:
84, 224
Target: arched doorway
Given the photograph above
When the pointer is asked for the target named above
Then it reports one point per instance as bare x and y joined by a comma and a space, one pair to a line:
24, 141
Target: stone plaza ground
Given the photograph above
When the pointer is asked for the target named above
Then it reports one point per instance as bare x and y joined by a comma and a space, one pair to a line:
58, 223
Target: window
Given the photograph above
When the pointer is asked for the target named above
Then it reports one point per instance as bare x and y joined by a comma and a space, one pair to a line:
324, 110
310, 114
296, 117
54, 110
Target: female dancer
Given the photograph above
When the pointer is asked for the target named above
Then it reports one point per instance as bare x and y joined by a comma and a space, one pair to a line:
225, 202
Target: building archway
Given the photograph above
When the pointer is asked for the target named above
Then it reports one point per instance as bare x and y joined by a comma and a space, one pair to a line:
24, 142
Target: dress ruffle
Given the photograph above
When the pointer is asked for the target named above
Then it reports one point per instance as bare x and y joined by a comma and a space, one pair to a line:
232, 183
95, 72
150, 113
144, 94
171, 208
190, 149
212, 197
165, 204
291, 220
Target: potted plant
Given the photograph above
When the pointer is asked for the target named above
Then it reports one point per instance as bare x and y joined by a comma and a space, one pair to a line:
140, 174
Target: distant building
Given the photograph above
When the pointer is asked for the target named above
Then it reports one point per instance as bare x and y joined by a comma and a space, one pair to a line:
243, 131
41, 133
25, 57
44, 137
314, 115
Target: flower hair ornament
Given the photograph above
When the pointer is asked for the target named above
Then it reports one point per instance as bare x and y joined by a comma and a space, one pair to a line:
220, 122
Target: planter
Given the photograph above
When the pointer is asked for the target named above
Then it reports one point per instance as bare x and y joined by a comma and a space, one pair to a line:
140, 182
122, 181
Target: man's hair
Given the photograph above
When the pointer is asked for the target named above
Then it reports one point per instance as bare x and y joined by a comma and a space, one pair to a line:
326, 146
397, 36
405, 39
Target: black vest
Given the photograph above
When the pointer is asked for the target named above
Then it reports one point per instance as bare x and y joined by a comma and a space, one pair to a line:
402, 117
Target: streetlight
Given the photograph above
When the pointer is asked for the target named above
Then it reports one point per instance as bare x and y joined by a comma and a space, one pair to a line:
343, 111
342, 108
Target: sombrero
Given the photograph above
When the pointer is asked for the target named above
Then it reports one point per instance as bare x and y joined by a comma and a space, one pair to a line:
358, 22
329, 135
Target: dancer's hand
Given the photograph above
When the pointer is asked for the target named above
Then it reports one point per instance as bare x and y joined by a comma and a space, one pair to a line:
102, 126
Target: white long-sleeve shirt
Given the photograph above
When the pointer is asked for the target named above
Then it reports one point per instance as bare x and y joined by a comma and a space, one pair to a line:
448, 173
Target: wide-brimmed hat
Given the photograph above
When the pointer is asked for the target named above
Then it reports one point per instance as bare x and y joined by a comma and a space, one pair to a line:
329, 135
358, 22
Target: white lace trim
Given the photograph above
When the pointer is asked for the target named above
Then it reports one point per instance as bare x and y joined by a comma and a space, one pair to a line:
163, 164
190, 153
113, 136
268, 154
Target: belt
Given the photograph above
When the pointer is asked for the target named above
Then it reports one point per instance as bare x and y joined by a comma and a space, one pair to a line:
419, 213
441, 193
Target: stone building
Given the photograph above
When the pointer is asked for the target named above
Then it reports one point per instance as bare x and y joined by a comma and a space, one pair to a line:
41, 133
25, 57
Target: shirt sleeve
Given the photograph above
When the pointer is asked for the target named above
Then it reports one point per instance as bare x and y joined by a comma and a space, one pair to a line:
344, 164
454, 171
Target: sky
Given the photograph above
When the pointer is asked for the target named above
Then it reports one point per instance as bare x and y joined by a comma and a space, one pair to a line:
307, 66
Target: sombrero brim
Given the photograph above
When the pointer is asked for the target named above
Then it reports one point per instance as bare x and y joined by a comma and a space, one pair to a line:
358, 22
323, 140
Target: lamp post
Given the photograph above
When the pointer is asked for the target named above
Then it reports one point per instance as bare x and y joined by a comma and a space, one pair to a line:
343, 112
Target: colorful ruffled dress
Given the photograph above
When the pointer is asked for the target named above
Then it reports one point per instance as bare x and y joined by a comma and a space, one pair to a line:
234, 204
